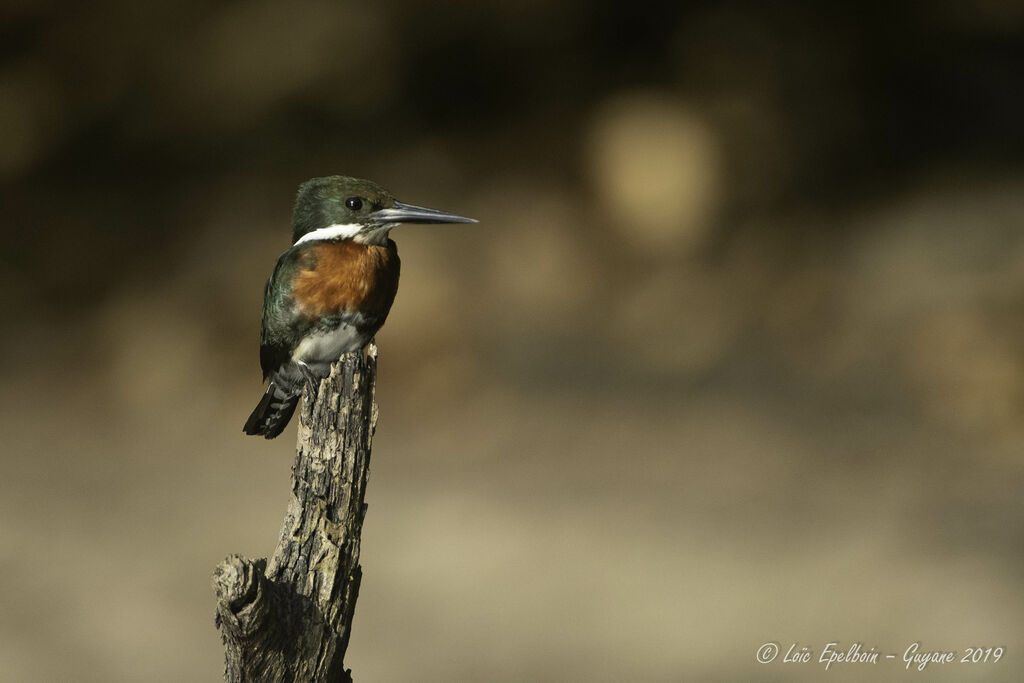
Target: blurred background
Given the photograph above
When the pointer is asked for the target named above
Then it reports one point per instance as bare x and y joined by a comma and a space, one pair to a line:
733, 355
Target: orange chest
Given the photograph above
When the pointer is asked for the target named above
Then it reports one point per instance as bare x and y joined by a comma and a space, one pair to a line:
347, 276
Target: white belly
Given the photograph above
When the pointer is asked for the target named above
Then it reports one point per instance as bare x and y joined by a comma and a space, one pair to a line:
323, 348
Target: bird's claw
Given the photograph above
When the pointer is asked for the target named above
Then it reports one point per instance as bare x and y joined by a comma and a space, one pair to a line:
312, 379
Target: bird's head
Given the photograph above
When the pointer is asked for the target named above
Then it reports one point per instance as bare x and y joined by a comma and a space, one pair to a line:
338, 207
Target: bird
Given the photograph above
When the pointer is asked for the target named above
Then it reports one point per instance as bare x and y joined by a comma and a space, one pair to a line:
331, 291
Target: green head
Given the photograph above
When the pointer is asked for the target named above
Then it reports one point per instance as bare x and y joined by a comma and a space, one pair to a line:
339, 207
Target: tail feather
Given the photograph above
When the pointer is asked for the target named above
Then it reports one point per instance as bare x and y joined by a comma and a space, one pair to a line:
273, 412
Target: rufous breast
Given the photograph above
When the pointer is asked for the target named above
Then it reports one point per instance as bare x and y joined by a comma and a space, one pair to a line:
347, 276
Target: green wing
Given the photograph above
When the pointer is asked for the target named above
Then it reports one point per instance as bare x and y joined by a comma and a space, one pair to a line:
283, 324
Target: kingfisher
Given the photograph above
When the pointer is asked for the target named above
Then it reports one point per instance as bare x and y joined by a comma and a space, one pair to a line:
332, 290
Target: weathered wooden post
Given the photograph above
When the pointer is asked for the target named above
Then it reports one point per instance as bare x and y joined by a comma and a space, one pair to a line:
290, 620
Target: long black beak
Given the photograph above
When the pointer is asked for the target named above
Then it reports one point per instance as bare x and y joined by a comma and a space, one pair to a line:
407, 213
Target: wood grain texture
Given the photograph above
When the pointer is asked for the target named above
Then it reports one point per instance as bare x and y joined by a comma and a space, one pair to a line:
289, 619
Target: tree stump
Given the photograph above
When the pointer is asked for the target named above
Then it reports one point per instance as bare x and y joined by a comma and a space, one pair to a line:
290, 620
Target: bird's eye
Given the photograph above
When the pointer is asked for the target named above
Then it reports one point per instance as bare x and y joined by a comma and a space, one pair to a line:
354, 203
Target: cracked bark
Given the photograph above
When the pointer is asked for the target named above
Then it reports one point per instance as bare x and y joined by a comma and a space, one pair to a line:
289, 620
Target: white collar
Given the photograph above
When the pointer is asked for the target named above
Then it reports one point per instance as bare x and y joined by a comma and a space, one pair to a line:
337, 231
346, 231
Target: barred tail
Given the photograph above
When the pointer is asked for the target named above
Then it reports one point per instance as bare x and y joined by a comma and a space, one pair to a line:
274, 411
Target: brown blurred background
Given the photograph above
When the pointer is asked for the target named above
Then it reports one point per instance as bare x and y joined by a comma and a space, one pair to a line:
733, 356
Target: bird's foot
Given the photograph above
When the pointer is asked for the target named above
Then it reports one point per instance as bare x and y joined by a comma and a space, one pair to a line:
312, 378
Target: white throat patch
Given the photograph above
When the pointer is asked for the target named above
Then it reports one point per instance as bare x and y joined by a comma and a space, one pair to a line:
331, 232
357, 233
